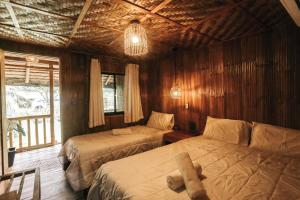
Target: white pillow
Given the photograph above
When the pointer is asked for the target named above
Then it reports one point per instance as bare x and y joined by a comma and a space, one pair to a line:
227, 130
275, 139
162, 121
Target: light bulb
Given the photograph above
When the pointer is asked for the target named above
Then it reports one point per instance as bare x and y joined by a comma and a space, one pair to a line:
135, 39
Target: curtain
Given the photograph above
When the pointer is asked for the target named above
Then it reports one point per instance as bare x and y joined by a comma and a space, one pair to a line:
96, 108
132, 104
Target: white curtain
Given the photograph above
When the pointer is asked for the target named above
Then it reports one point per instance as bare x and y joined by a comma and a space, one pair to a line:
132, 104
96, 108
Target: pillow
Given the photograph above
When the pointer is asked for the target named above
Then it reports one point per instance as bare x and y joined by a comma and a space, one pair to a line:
275, 139
227, 130
162, 121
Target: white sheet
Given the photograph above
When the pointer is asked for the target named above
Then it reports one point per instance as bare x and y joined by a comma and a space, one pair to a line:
88, 152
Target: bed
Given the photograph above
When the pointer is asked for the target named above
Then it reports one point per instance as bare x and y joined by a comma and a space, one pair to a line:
230, 171
86, 153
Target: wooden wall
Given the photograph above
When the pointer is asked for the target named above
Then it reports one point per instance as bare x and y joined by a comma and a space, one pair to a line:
74, 82
254, 79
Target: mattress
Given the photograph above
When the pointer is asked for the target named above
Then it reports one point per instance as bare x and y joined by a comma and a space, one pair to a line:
229, 172
87, 153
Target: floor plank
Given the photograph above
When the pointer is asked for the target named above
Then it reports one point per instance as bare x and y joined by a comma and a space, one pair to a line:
53, 181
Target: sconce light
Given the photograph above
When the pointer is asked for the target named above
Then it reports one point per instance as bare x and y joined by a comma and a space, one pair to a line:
176, 91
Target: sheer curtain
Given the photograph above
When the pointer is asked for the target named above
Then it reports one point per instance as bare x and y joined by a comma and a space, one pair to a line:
96, 108
132, 103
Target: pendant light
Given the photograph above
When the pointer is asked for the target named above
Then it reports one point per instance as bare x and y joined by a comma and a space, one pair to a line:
135, 39
176, 91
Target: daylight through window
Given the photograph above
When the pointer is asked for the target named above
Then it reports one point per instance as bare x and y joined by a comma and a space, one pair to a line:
113, 93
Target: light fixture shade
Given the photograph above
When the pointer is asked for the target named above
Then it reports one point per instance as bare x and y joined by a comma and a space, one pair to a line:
135, 40
176, 92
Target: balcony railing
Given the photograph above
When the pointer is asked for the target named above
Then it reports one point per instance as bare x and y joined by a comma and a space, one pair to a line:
39, 133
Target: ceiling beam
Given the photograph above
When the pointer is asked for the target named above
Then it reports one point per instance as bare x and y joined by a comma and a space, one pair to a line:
14, 19
43, 12
20, 66
157, 16
222, 11
36, 31
250, 14
156, 9
24, 59
80, 18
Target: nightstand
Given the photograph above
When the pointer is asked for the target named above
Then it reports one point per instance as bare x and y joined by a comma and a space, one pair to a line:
177, 135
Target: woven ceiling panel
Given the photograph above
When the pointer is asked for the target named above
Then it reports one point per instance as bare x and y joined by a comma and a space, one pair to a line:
114, 16
176, 23
35, 21
9, 33
44, 39
69, 8
148, 4
187, 12
4, 15
94, 33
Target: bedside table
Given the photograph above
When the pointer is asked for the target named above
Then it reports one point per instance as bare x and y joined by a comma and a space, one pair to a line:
177, 135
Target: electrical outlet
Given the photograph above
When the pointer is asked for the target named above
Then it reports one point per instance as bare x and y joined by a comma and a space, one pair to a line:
186, 106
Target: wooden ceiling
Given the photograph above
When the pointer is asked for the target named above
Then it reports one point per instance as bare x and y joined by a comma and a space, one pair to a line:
98, 25
19, 72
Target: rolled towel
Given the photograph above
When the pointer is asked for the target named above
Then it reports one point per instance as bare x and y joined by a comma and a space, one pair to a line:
121, 131
175, 180
193, 185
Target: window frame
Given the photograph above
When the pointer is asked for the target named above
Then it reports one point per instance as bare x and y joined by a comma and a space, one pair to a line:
115, 92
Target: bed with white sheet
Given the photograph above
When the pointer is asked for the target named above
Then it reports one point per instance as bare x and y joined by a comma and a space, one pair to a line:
230, 170
86, 153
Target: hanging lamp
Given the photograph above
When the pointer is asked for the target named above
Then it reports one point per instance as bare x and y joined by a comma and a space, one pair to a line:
176, 91
135, 39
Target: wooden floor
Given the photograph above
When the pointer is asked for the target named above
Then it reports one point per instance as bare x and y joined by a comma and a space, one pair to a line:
54, 185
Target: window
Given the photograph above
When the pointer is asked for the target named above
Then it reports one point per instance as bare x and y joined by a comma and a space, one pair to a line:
113, 92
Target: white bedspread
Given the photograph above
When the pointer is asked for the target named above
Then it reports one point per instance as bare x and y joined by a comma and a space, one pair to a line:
230, 172
88, 152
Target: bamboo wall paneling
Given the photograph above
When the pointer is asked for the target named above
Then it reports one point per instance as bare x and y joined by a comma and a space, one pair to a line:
254, 78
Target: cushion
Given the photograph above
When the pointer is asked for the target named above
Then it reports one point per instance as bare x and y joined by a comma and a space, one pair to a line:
275, 139
162, 121
228, 130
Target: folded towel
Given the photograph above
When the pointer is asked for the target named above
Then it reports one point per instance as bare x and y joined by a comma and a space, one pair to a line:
175, 180
193, 185
122, 131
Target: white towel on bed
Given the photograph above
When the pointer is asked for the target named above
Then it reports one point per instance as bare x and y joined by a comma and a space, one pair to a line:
175, 179
193, 185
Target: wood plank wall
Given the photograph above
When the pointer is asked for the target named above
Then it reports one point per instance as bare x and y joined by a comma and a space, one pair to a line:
254, 79
74, 75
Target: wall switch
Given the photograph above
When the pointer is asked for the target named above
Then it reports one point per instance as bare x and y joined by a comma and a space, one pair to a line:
186, 106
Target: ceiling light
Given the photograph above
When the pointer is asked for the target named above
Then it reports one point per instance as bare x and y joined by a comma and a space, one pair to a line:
135, 40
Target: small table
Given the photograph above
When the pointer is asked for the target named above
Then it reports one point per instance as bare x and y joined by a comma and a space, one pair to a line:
177, 135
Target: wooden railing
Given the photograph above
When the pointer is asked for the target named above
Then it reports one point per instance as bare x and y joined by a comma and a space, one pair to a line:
33, 140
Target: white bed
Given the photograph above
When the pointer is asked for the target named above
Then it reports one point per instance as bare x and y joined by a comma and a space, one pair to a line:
231, 171
87, 153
